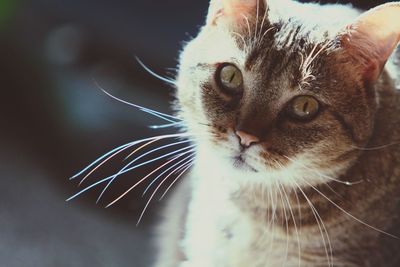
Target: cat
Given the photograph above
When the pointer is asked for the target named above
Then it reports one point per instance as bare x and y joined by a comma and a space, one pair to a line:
295, 115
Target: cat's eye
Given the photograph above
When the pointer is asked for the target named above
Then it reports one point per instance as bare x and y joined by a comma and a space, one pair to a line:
304, 108
230, 79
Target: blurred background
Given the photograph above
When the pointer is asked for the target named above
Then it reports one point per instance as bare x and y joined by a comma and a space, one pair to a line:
54, 120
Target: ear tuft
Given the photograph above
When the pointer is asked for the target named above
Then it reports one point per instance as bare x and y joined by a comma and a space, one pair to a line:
372, 38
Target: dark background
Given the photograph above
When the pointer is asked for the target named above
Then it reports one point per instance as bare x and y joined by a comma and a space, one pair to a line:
54, 120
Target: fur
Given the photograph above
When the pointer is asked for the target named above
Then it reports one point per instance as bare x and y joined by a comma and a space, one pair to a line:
322, 193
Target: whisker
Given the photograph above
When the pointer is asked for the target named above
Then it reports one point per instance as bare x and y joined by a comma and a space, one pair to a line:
184, 168
143, 179
88, 188
321, 227
349, 214
136, 150
102, 163
123, 170
323, 175
266, 32
167, 80
166, 117
100, 158
294, 223
152, 196
141, 147
286, 222
274, 216
124, 147
262, 24
169, 125
187, 163
156, 149
293, 217
248, 23
243, 40
375, 148
168, 169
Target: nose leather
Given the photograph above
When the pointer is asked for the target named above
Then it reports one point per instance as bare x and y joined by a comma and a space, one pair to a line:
246, 139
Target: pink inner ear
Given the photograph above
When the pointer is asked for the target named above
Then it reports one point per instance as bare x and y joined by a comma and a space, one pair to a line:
373, 37
239, 7
233, 10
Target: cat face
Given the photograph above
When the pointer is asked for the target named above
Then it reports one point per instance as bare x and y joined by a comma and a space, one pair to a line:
277, 95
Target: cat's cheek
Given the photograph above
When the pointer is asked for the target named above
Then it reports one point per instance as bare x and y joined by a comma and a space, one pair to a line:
328, 148
219, 112
321, 144
295, 135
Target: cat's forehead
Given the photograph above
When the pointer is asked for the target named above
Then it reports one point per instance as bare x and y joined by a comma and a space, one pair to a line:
277, 60
214, 46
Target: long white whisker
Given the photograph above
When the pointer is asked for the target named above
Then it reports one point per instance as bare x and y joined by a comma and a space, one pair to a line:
123, 170
286, 223
98, 166
88, 188
169, 81
375, 148
157, 149
141, 147
169, 125
127, 170
349, 214
323, 175
152, 196
292, 214
125, 147
166, 117
187, 163
168, 169
136, 150
295, 225
185, 168
274, 216
142, 180
101, 158
321, 227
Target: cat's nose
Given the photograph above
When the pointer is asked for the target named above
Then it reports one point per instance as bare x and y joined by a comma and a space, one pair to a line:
246, 139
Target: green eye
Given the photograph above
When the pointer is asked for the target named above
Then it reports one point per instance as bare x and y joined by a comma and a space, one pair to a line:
304, 108
230, 79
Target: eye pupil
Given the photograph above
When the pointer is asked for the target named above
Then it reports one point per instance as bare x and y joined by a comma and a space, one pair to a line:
233, 77
304, 108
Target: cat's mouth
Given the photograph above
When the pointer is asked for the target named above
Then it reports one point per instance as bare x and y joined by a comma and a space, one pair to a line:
240, 163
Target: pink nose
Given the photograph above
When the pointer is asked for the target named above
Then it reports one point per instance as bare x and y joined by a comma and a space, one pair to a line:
247, 139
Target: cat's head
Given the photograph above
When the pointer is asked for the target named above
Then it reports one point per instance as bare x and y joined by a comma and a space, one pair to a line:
282, 89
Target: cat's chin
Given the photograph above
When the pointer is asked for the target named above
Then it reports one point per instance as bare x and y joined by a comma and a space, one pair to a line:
241, 164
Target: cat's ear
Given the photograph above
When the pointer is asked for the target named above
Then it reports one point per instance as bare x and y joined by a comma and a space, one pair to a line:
372, 38
233, 11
